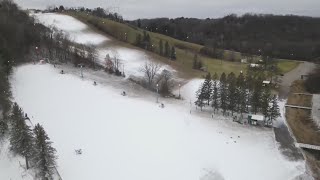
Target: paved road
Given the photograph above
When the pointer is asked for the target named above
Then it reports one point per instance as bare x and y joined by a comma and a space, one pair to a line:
303, 69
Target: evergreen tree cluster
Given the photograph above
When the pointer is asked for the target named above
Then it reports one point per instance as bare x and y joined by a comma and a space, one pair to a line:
144, 41
197, 63
242, 94
33, 144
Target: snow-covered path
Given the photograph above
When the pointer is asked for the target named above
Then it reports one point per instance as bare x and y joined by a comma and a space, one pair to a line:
132, 138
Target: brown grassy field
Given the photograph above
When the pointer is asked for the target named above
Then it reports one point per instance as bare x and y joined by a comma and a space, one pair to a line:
302, 126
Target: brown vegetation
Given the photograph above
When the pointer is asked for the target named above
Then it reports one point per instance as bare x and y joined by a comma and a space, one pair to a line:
302, 126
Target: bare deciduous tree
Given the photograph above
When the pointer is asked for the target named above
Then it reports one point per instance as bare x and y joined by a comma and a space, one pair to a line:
92, 54
116, 61
165, 81
150, 70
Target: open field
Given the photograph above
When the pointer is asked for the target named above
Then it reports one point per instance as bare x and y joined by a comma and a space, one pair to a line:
300, 100
185, 50
287, 65
299, 119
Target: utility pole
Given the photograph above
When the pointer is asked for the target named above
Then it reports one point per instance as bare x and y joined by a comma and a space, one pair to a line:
37, 52
157, 93
179, 91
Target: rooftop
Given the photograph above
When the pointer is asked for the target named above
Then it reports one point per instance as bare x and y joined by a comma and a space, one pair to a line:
257, 117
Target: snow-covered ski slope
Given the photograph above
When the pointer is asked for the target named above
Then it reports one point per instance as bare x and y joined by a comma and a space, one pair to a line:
131, 59
77, 31
132, 138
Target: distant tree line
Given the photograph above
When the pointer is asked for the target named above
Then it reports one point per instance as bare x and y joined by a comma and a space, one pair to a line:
99, 12
287, 37
242, 94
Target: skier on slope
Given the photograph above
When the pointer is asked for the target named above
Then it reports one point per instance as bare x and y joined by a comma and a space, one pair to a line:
123, 93
94, 83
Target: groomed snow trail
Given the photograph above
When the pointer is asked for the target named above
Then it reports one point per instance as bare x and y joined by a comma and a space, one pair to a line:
77, 31
132, 138
131, 59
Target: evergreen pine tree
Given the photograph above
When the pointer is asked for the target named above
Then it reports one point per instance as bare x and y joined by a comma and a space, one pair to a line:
231, 92
199, 66
249, 85
173, 53
167, 49
161, 47
265, 100
3, 128
139, 23
241, 94
195, 62
207, 88
144, 36
274, 110
200, 102
45, 154
223, 93
256, 96
215, 93
21, 139
138, 40
249, 81
148, 42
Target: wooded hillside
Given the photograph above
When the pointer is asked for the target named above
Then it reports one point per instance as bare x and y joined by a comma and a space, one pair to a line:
287, 37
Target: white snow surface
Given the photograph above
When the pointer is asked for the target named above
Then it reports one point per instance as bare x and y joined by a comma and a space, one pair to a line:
132, 138
131, 59
10, 168
77, 31
188, 91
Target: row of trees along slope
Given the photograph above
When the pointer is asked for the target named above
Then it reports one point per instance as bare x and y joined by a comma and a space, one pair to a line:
33, 144
242, 94
286, 37
23, 40
130, 34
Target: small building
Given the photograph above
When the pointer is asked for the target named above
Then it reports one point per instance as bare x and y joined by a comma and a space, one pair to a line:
204, 69
266, 83
254, 65
256, 119
244, 61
